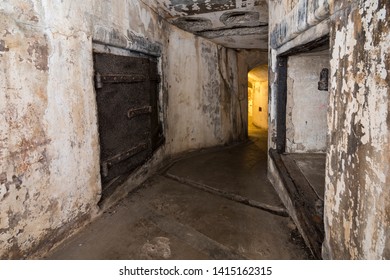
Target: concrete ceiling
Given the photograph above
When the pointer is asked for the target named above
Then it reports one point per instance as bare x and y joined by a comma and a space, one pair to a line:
238, 24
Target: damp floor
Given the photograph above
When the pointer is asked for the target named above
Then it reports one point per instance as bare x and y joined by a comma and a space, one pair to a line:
215, 204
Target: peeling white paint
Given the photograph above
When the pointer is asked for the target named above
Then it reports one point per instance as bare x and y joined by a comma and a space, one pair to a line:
382, 14
357, 169
364, 99
49, 150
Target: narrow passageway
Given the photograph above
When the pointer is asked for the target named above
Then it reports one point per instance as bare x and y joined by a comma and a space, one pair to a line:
149, 81
214, 204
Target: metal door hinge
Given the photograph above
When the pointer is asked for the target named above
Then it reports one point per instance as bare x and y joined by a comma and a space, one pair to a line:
98, 80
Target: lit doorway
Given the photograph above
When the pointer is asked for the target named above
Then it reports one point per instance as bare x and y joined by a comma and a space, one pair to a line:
258, 101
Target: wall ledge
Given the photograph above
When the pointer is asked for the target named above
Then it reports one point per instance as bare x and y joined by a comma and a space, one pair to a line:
129, 41
305, 15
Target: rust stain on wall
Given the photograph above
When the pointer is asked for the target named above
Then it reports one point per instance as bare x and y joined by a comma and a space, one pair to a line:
39, 55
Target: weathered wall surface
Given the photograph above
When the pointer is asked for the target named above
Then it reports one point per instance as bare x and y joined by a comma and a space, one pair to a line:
306, 125
49, 153
292, 23
357, 206
48, 147
357, 203
292, 17
199, 107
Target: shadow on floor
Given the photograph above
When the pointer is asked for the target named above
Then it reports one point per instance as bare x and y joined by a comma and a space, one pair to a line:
212, 205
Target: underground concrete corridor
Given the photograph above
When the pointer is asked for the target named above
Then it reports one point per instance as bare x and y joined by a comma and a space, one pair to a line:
213, 204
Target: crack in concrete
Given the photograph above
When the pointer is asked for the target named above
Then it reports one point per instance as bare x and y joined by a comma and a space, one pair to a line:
280, 211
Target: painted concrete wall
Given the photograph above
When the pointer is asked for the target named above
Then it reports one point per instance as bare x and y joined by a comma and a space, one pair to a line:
260, 102
201, 114
357, 202
48, 134
49, 153
306, 106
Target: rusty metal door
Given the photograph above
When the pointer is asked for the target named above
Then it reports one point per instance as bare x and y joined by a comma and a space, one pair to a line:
127, 104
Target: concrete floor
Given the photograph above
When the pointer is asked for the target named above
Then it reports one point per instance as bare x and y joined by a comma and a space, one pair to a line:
303, 178
216, 204
313, 168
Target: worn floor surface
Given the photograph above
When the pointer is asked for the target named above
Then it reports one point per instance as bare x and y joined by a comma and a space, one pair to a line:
212, 205
313, 168
304, 180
